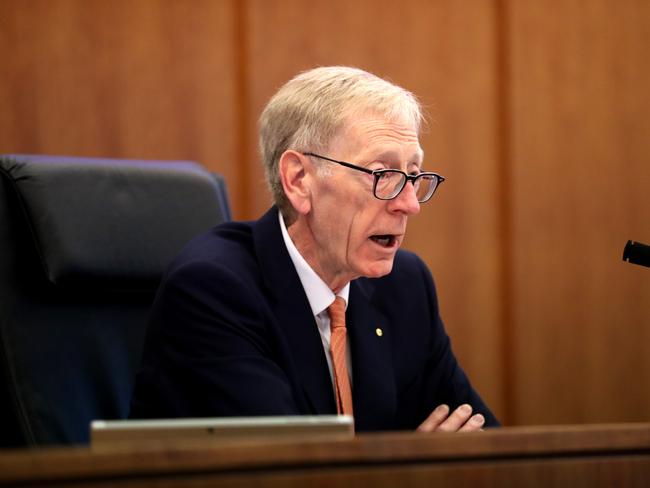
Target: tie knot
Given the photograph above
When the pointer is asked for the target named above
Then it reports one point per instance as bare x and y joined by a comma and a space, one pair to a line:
337, 313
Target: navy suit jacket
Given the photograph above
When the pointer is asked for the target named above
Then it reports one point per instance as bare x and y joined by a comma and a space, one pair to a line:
232, 334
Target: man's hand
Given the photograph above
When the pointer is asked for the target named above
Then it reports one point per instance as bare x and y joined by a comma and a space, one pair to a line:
461, 420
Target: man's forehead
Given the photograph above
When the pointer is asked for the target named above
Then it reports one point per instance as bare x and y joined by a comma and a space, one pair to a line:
383, 137
368, 118
413, 154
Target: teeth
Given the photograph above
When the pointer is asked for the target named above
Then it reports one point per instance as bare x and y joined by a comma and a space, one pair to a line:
383, 240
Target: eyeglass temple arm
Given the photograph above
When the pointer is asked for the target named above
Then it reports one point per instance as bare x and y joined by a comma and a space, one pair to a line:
342, 163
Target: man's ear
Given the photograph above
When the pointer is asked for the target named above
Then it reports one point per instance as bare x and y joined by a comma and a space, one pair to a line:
295, 177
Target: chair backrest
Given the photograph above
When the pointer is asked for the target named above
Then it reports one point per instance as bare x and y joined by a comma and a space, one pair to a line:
83, 245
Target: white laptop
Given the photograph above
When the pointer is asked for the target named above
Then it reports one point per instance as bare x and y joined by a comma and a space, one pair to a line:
105, 432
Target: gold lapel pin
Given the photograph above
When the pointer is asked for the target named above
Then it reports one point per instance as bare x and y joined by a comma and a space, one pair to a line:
379, 332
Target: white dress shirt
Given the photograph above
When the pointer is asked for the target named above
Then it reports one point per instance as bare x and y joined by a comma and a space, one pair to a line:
320, 297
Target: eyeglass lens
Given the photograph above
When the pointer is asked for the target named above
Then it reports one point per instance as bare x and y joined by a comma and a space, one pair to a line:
390, 183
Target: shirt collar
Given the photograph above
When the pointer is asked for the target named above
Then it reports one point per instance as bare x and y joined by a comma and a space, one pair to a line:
320, 295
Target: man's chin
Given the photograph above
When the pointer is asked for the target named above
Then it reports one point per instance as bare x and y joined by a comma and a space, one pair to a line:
378, 269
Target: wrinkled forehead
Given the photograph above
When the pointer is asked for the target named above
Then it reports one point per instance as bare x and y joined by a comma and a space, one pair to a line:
406, 114
371, 130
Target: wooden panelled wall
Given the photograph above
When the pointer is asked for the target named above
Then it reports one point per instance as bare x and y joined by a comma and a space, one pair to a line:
538, 117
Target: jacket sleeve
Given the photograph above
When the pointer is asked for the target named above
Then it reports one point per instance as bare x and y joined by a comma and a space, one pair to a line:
443, 380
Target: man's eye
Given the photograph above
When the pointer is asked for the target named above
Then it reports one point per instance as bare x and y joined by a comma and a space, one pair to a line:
376, 166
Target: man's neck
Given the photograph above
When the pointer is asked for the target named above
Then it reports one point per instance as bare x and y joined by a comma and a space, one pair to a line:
302, 237
318, 293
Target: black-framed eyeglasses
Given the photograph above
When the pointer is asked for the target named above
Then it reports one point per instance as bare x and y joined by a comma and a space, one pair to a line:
390, 182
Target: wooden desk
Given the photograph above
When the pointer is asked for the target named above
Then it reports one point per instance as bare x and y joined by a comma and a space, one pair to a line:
575, 456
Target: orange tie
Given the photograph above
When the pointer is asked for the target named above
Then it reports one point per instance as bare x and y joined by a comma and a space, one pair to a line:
337, 349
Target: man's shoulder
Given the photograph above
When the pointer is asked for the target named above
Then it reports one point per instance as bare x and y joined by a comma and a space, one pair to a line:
408, 258
226, 237
407, 263
240, 251
228, 243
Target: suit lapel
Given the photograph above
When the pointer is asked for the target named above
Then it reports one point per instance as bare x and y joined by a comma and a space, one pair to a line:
374, 394
293, 314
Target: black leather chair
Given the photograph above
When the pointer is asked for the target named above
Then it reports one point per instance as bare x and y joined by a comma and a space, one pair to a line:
83, 244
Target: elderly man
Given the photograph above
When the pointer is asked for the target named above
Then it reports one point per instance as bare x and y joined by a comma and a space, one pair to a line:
313, 309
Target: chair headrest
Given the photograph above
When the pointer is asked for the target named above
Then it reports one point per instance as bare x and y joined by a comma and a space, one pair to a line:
111, 223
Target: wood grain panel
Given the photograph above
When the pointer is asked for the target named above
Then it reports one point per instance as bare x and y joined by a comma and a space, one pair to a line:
538, 224
444, 52
581, 179
576, 456
146, 79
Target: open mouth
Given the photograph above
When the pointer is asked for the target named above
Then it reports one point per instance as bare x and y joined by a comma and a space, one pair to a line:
387, 240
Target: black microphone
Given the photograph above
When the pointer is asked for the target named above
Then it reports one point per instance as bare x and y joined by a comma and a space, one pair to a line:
637, 253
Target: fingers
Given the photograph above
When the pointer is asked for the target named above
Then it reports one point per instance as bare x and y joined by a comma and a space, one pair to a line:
457, 419
434, 420
460, 420
474, 423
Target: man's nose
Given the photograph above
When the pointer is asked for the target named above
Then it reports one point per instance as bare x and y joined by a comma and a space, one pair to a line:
406, 201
